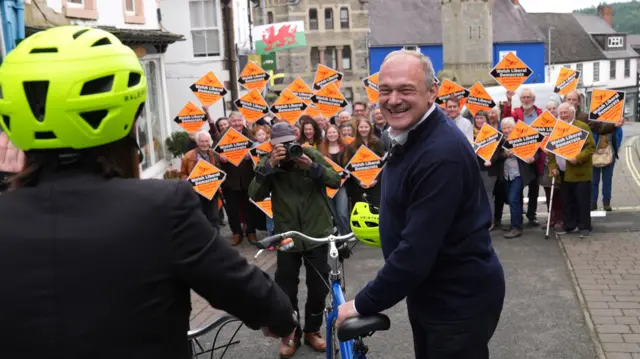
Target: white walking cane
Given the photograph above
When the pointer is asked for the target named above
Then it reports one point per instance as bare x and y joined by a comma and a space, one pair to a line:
553, 186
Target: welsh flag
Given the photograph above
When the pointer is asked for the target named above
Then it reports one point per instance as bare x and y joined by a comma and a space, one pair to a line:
279, 36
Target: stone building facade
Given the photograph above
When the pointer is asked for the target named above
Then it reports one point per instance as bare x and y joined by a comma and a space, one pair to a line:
337, 36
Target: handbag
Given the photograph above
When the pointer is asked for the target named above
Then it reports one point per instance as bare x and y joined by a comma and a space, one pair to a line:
603, 155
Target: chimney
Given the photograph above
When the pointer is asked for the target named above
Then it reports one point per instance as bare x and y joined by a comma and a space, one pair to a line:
606, 12
515, 2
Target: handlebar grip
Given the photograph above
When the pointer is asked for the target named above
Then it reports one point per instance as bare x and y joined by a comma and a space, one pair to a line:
269, 241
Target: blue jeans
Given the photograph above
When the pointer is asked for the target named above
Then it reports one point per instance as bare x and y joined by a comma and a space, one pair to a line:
514, 199
607, 177
340, 210
269, 226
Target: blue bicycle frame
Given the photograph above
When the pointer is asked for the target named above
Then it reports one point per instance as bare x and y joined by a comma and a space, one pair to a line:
337, 299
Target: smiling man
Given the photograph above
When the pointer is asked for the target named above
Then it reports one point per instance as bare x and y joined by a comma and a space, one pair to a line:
434, 221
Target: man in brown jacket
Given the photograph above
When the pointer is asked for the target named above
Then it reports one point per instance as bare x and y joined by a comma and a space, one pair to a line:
203, 151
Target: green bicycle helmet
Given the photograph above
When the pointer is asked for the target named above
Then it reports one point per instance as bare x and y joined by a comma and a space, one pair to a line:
70, 87
364, 224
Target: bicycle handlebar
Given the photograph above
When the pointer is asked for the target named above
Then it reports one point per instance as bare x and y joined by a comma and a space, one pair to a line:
274, 240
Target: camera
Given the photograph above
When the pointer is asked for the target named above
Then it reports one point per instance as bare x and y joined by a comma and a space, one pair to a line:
294, 150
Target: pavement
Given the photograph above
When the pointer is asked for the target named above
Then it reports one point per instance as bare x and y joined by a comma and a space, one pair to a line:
566, 297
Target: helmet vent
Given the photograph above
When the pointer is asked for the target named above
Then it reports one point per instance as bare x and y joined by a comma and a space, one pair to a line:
355, 224
94, 118
134, 79
1, 97
78, 33
370, 224
45, 135
7, 122
102, 42
36, 92
44, 50
101, 85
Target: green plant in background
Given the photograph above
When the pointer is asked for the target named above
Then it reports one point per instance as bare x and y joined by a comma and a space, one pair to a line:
177, 143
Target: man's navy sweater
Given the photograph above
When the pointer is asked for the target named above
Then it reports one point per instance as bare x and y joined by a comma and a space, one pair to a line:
434, 228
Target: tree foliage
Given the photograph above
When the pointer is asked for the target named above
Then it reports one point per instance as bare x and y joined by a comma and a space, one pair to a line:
626, 16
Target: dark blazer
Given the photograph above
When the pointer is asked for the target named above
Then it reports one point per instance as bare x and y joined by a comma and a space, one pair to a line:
98, 268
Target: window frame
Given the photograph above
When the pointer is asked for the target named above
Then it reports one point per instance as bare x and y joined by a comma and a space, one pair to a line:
333, 19
317, 19
615, 42
348, 23
207, 56
156, 165
86, 10
613, 69
627, 68
343, 57
596, 71
137, 15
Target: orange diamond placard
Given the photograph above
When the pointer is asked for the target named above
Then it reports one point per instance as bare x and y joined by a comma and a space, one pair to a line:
252, 106
300, 88
265, 206
208, 89
253, 77
325, 76
511, 72
524, 141
567, 81
479, 99
487, 141
288, 107
191, 118
206, 179
606, 106
449, 88
330, 191
233, 146
544, 124
371, 86
329, 100
365, 165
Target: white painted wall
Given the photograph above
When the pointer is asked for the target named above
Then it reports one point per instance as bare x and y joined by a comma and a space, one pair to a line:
182, 68
111, 13
620, 80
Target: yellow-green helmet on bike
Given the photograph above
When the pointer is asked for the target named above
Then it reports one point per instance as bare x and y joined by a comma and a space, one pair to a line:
70, 87
364, 224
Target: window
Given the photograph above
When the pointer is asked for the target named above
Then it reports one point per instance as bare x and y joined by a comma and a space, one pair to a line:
616, 41
129, 5
313, 19
612, 69
331, 57
80, 9
133, 11
269, 17
566, 66
579, 69
346, 58
205, 32
344, 18
596, 71
328, 18
150, 125
315, 58
627, 68
411, 48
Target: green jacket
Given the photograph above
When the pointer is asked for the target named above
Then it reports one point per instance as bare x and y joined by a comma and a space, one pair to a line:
583, 171
298, 197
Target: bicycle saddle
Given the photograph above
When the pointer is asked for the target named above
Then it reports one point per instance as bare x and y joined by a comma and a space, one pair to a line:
353, 328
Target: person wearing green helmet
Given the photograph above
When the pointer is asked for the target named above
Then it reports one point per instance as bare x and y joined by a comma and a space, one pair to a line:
94, 262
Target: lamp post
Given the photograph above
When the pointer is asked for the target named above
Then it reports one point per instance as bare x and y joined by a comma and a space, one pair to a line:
549, 54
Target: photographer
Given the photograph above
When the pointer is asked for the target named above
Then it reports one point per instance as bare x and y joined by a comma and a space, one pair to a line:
296, 179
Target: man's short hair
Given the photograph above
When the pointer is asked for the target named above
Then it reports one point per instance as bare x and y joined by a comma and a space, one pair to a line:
427, 66
454, 99
360, 103
203, 133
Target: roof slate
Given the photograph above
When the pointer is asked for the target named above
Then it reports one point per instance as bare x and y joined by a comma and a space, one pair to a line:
418, 22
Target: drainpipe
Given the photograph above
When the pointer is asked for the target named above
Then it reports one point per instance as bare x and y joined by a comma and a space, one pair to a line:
3, 49
227, 19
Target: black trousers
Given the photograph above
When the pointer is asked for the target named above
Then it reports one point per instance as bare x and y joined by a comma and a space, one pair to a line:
235, 202
499, 197
456, 339
210, 209
288, 278
576, 205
